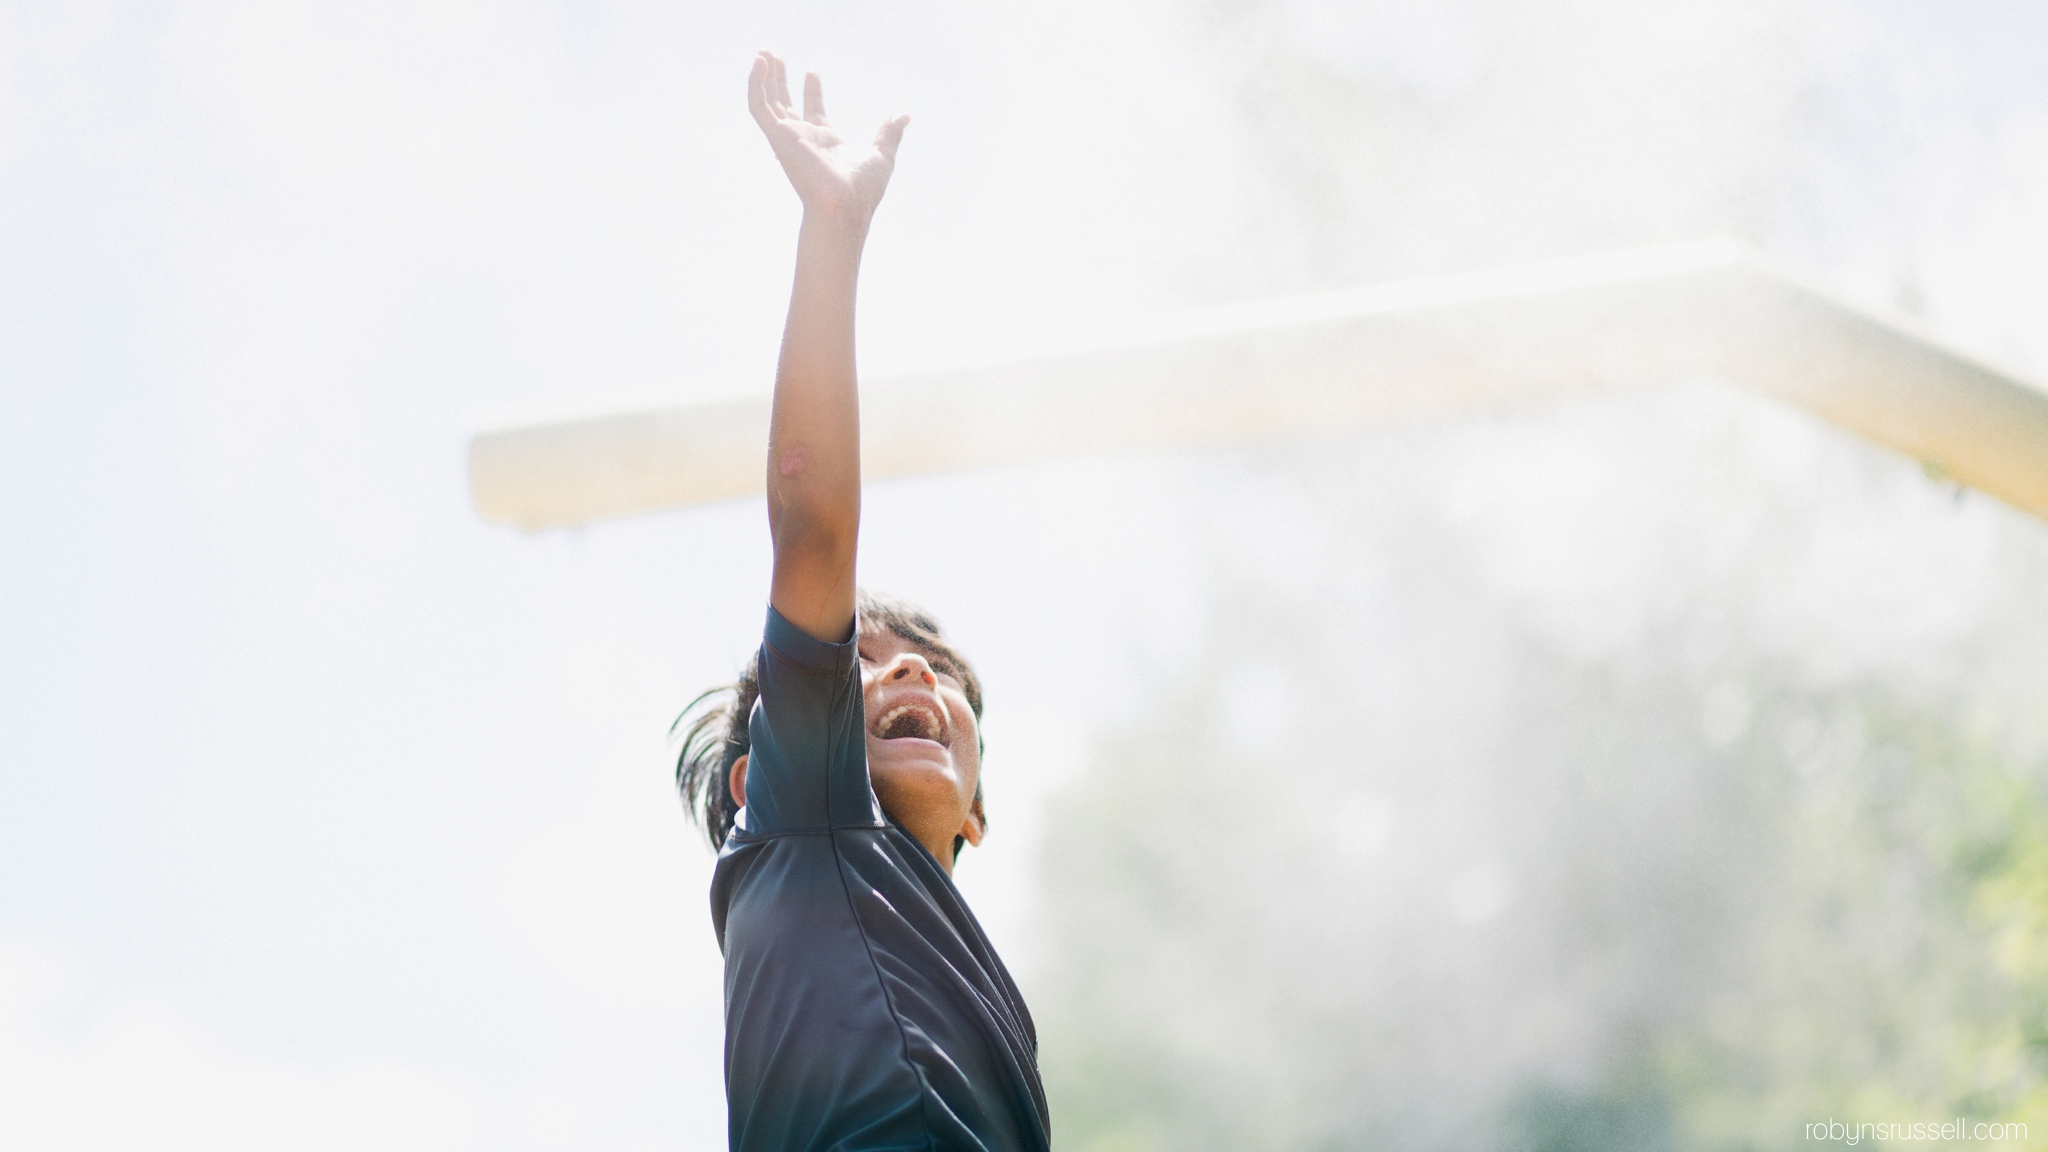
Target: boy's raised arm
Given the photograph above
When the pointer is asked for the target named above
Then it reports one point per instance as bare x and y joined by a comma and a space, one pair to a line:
814, 431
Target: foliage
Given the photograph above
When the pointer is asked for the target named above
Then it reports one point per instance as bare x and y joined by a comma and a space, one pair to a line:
1395, 861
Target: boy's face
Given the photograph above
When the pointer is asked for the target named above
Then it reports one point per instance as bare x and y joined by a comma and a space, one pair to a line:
924, 750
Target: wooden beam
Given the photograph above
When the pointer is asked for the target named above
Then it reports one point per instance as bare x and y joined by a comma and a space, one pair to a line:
1333, 365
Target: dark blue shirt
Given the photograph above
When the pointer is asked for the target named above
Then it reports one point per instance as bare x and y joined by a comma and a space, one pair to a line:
864, 1009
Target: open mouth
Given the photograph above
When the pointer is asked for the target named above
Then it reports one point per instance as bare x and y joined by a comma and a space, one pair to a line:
911, 720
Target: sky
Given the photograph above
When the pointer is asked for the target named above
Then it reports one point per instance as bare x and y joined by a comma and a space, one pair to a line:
332, 817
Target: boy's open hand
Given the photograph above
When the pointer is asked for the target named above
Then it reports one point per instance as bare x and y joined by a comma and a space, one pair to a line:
830, 173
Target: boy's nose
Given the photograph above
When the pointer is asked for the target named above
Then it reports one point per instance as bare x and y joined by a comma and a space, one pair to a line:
911, 664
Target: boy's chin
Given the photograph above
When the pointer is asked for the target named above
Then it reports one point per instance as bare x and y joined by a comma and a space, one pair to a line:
913, 780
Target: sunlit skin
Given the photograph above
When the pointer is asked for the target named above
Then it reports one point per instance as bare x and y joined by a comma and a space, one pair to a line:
924, 778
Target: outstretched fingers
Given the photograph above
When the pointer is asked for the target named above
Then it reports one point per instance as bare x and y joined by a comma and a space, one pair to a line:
890, 135
814, 99
778, 88
768, 100
757, 93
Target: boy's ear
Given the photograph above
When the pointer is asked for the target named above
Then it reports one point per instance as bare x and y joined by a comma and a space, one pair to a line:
737, 782
975, 824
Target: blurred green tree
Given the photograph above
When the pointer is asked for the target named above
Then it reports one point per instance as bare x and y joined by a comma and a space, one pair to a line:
1411, 850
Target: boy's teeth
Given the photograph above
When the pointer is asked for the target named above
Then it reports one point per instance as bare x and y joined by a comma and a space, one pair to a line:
896, 713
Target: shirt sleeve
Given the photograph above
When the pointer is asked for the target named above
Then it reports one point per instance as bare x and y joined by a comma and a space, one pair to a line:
807, 768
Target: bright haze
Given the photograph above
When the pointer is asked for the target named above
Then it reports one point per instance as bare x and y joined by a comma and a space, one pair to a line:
331, 817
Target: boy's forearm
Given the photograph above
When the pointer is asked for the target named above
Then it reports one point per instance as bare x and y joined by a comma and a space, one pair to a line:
814, 430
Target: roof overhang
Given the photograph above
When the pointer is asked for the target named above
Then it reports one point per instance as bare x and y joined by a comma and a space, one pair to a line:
1332, 365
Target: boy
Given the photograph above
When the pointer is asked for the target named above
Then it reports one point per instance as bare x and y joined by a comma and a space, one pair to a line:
864, 1009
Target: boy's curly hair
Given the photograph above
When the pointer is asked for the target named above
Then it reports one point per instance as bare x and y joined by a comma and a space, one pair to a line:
714, 725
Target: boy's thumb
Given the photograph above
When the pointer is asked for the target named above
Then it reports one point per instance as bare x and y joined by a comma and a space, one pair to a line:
891, 134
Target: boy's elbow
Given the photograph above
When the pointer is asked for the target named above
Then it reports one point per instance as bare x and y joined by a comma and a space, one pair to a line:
812, 547
808, 529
